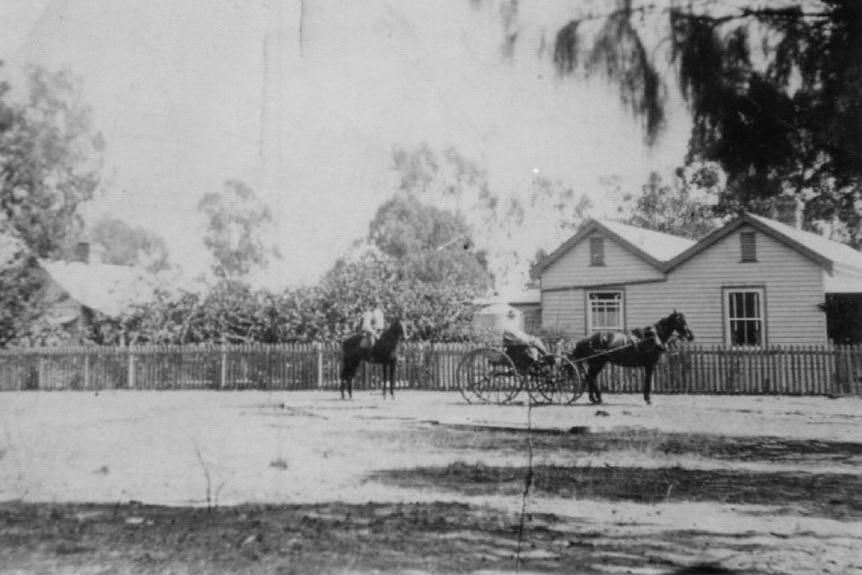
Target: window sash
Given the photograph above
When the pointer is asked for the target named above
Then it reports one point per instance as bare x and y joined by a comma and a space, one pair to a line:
745, 320
605, 310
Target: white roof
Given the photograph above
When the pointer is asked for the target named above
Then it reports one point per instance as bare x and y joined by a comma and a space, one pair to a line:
106, 288
838, 253
658, 245
842, 282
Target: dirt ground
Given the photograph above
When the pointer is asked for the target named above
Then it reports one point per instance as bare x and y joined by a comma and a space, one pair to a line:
302, 482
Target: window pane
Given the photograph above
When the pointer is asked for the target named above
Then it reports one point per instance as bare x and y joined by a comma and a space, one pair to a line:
744, 318
606, 310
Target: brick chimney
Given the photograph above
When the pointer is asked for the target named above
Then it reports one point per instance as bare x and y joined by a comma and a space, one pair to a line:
82, 252
787, 210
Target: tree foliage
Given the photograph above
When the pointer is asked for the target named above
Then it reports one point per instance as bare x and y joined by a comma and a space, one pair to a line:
670, 208
233, 312
126, 245
50, 158
773, 88
428, 243
50, 161
235, 221
506, 229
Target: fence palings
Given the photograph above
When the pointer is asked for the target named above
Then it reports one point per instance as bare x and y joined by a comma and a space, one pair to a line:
801, 370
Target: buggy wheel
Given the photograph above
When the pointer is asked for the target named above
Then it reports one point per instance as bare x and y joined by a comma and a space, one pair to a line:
556, 380
487, 375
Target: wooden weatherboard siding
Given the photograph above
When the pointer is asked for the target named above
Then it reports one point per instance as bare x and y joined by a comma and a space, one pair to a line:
573, 268
564, 310
564, 282
793, 286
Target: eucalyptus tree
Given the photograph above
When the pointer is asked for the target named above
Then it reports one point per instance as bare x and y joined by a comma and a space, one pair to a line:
774, 89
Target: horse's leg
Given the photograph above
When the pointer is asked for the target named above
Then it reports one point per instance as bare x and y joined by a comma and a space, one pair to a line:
648, 373
347, 372
593, 381
388, 375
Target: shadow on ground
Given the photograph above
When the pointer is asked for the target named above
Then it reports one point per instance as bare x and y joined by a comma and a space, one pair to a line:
702, 445
329, 538
828, 495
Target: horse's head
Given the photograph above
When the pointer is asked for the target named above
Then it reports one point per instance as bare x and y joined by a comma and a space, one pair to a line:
675, 323
400, 329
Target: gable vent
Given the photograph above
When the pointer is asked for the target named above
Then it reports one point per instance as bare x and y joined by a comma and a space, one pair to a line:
748, 247
597, 251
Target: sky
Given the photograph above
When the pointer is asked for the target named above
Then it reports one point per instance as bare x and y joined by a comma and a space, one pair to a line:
305, 100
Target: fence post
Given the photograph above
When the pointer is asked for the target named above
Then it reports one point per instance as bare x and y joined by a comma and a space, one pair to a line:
84, 384
222, 382
131, 369
318, 348
40, 384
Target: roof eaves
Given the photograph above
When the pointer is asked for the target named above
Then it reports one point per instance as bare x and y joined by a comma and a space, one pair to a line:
555, 255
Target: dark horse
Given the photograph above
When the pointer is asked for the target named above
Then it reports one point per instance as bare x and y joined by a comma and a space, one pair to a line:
384, 352
640, 348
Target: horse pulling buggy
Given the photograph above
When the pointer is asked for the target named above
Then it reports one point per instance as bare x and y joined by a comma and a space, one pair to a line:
498, 374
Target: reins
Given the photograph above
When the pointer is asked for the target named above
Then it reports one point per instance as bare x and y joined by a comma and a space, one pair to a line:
672, 338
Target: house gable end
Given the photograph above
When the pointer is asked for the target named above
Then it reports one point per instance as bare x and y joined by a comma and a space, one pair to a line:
586, 231
732, 227
579, 267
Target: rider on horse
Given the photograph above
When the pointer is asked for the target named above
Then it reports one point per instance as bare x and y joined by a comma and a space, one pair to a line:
371, 325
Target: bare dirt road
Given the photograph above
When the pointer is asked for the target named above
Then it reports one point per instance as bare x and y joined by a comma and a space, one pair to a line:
302, 482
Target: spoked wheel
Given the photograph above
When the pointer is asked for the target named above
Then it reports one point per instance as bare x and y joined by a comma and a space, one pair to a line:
555, 379
487, 375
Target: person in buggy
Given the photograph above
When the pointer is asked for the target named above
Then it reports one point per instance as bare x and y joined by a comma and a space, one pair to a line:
522, 348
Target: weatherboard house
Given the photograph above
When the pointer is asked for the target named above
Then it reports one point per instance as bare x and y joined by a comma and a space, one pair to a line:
76, 289
754, 282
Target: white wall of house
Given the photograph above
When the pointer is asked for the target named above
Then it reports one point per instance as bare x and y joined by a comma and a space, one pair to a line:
574, 269
791, 284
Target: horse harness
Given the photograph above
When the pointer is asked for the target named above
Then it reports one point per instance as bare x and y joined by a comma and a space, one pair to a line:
670, 345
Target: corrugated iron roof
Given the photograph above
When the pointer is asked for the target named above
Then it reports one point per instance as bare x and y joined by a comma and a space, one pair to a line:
656, 248
108, 289
658, 245
837, 253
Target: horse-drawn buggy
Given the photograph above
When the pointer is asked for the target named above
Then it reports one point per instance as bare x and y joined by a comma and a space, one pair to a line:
497, 374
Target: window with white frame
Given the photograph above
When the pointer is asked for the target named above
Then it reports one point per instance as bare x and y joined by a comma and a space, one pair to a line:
605, 310
745, 321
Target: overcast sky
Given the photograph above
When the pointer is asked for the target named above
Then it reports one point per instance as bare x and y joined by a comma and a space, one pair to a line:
306, 102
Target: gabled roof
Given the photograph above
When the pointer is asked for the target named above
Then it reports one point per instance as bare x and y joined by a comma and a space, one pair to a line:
822, 251
655, 248
108, 289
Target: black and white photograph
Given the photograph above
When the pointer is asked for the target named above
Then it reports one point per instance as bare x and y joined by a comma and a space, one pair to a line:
430, 287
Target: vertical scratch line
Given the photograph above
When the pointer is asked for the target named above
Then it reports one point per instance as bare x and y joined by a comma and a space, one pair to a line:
301, 24
528, 482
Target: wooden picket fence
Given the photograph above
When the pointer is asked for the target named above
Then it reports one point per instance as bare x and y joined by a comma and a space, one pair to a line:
790, 370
